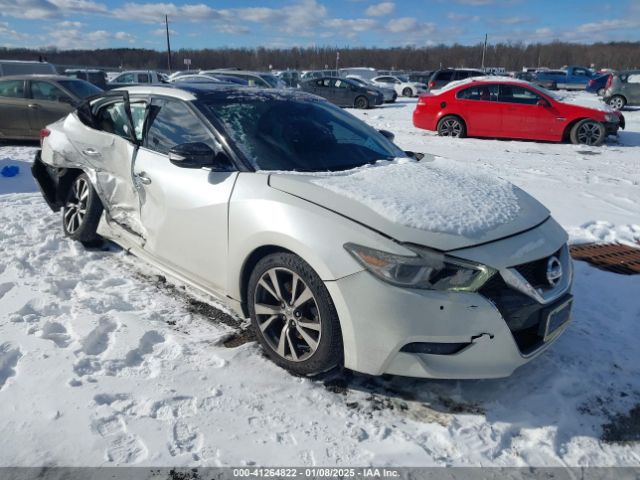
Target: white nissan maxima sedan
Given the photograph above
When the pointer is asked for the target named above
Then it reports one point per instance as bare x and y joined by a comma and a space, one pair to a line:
343, 249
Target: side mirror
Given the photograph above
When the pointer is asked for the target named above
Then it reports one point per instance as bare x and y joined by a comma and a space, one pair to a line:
415, 155
192, 155
387, 134
543, 103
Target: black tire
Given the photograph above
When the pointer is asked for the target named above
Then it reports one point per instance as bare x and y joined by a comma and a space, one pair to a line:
407, 92
77, 225
617, 102
361, 102
452, 126
318, 311
588, 132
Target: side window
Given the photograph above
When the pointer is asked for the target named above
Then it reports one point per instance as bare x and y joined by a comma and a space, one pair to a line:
144, 78
327, 82
138, 114
476, 74
112, 119
445, 76
125, 78
633, 78
514, 94
12, 88
172, 123
461, 74
485, 93
342, 84
48, 91
579, 72
319, 83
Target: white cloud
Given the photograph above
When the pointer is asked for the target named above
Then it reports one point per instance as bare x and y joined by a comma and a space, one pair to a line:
380, 9
69, 24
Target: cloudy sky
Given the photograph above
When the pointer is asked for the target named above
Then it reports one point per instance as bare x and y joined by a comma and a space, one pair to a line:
283, 23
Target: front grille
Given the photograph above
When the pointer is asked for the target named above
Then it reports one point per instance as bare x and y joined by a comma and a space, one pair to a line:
536, 272
524, 316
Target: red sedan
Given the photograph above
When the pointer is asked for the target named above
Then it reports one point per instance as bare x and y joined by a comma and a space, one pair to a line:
504, 108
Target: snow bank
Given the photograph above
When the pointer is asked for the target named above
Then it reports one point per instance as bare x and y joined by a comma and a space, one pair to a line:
437, 197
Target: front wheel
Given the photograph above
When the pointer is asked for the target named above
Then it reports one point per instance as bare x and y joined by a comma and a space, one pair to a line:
361, 102
293, 315
451, 126
617, 102
407, 92
588, 132
82, 210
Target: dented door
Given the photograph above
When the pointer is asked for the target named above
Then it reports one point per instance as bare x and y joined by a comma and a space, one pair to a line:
110, 147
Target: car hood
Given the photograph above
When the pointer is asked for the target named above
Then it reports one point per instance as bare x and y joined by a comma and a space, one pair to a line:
584, 103
432, 204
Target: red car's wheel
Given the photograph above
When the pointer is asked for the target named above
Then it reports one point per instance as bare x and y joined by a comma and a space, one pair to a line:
588, 132
452, 126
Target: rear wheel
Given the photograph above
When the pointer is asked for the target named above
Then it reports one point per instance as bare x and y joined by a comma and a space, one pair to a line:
361, 102
293, 315
82, 210
617, 102
407, 92
588, 132
451, 126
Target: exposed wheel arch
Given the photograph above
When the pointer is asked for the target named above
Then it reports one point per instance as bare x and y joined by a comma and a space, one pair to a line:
247, 268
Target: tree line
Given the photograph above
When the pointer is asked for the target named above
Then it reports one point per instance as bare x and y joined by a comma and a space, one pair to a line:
512, 56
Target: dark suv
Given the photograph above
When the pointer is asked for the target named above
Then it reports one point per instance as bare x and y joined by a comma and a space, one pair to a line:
441, 77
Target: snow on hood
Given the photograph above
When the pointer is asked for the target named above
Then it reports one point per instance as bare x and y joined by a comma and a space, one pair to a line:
582, 100
437, 197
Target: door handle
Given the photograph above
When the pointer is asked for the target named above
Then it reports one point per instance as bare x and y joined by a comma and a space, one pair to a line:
91, 152
143, 179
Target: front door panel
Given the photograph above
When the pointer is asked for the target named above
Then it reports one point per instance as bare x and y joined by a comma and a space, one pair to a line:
185, 215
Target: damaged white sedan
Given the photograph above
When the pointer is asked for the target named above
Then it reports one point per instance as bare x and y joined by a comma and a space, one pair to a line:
343, 249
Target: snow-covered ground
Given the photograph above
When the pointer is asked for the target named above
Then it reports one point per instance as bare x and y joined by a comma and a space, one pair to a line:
102, 362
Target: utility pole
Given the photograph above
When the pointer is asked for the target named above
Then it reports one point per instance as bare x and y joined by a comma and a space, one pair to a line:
484, 50
166, 23
337, 61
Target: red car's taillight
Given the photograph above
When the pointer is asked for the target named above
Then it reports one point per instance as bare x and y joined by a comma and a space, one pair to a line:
432, 84
45, 132
591, 82
422, 100
609, 80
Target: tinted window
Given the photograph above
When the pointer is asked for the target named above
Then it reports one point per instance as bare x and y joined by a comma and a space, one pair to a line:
79, 88
486, 93
12, 88
514, 94
462, 74
48, 91
125, 78
473, 73
278, 133
17, 68
444, 76
144, 78
172, 123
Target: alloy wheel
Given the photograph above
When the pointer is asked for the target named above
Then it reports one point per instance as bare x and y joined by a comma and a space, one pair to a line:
287, 314
589, 133
76, 206
451, 128
617, 103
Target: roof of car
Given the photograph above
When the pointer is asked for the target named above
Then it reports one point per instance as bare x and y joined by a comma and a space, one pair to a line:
485, 79
37, 76
193, 91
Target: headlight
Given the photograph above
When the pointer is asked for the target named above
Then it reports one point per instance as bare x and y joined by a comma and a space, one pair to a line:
610, 117
428, 269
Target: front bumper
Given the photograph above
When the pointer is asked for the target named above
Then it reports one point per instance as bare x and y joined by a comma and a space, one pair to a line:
488, 334
613, 127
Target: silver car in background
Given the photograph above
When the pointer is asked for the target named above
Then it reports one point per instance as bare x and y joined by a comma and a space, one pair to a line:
624, 89
248, 195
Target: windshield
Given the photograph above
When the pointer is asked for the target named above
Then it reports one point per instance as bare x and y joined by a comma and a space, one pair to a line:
302, 133
359, 81
80, 88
